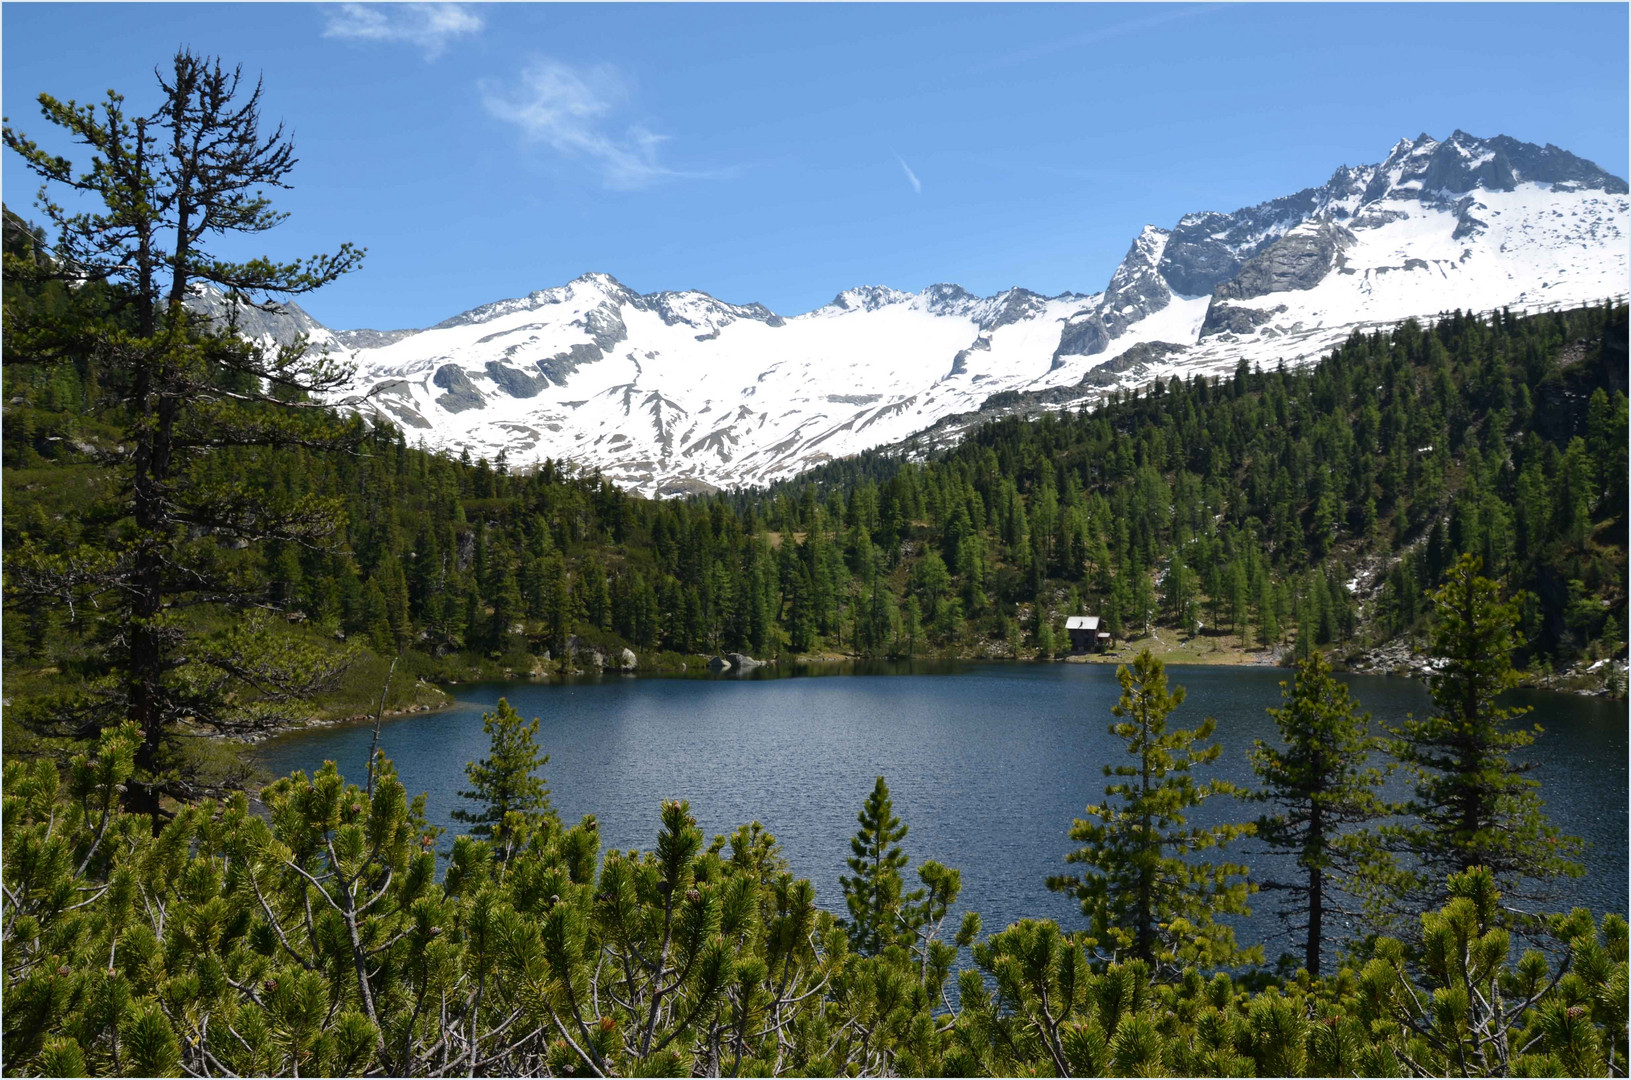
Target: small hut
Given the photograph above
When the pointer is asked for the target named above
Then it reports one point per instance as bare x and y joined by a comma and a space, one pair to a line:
1085, 634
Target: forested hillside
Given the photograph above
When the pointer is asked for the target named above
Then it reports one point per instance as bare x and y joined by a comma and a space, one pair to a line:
1264, 503
1313, 506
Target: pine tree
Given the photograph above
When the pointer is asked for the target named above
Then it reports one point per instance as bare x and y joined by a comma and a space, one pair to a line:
557, 602
1144, 896
801, 623
394, 585
1472, 804
376, 619
1237, 593
1268, 621
507, 608
1321, 785
912, 625
505, 785
1044, 640
190, 396
1143, 610
873, 894
1178, 586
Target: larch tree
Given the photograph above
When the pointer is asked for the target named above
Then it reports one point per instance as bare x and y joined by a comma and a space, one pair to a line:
1320, 786
200, 407
1144, 895
1472, 804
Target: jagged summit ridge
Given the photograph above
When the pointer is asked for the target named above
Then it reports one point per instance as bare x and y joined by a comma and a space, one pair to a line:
680, 391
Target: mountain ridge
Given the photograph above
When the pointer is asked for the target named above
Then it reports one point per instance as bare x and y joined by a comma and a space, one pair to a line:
677, 390
1566, 168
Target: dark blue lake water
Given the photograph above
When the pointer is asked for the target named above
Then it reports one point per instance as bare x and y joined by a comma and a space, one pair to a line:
988, 763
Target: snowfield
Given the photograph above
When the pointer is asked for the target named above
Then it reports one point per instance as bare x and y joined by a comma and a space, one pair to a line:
677, 392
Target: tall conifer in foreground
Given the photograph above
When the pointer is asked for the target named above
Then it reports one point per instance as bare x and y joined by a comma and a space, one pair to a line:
1320, 784
1145, 897
506, 781
1472, 804
196, 405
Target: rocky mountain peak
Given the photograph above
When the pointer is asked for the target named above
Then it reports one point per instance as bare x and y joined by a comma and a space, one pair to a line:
1427, 168
701, 311
944, 298
596, 283
865, 298
599, 279
1142, 258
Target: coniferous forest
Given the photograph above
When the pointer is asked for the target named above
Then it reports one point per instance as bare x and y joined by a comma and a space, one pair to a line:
199, 551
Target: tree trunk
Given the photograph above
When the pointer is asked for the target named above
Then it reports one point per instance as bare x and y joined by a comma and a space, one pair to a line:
146, 321
1316, 870
147, 652
1146, 899
1316, 913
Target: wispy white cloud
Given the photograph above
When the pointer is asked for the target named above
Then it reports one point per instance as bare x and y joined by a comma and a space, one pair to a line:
917, 185
428, 27
1163, 14
570, 109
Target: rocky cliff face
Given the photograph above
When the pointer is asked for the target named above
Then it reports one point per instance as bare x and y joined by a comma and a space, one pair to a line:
278, 324
1137, 290
1298, 260
371, 339
680, 391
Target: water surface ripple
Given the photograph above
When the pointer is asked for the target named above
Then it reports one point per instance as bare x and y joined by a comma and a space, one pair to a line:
988, 764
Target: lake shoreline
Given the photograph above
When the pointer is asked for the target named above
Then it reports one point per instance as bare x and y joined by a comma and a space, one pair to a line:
318, 723
1608, 681
810, 665
1604, 678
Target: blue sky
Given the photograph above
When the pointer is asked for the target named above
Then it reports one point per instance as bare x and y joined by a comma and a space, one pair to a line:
781, 153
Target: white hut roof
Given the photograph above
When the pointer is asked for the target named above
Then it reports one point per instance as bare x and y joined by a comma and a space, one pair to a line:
1082, 622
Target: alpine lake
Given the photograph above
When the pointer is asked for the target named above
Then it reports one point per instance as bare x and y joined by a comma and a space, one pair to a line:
988, 764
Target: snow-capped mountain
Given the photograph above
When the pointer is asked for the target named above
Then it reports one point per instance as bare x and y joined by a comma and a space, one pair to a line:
679, 391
